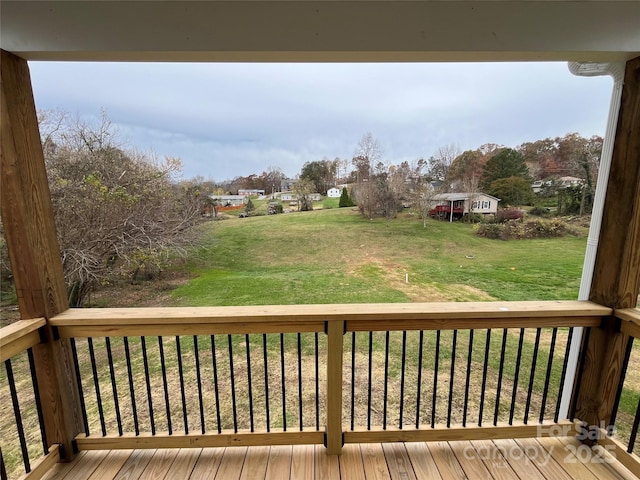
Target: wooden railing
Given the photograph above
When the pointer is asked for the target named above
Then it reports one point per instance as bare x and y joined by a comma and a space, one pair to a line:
23, 434
313, 374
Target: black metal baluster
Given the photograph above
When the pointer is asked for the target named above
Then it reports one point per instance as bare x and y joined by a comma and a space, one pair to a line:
3, 468
266, 380
485, 368
623, 371
402, 373
114, 386
233, 385
353, 379
96, 384
386, 380
145, 361
284, 388
466, 387
76, 366
164, 384
534, 362
369, 380
300, 381
419, 385
317, 382
634, 429
216, 389
516, 377
196, 352
500, 372
436, 367
132, 391
249, 383
18, 416
451, 377
547, 376
183, 395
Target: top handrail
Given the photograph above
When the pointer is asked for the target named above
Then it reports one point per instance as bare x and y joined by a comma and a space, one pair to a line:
312, 318
630, 321
19, 336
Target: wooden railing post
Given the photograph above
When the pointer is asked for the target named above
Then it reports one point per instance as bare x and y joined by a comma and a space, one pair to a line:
616, 276
30, 233
335, 345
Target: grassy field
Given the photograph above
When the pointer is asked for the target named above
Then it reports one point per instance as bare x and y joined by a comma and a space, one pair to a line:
337, 256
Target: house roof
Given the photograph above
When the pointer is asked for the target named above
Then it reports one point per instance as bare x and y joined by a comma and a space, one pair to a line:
453, 196
316, 30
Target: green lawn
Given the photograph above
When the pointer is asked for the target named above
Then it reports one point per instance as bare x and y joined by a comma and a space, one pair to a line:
336, 256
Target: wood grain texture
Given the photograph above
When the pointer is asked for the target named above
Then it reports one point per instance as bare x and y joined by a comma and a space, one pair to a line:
566, 458
44, 464
255, 463
510, 449
303, 462
440, 434
351, 466
159, 465
374, 461
494, 460
468, 458
398, 461
135, 464
630, 321
27, 215
335, 343
422, 461
376, 312
327, 466
111, 465
616, 279
232, 463
279, 465
616, 275
537, 456
619, 452
446, 461
208, 463
184, 463
25, 199
163, 440
593, 461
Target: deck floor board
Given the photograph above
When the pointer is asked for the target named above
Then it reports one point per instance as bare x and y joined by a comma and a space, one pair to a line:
523, 459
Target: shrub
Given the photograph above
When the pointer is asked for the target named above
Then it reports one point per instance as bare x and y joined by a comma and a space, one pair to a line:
507, 214
540, 211
518, 230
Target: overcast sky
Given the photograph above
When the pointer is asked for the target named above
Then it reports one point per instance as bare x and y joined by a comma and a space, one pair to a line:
225, 120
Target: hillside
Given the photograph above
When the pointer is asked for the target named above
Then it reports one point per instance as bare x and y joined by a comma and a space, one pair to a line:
337, 256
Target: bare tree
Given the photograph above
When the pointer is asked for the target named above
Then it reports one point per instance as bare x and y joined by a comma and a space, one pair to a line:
116, 211
303, 190
422, 197
440, 163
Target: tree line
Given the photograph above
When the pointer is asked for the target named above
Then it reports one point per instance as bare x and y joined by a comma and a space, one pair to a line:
121, 213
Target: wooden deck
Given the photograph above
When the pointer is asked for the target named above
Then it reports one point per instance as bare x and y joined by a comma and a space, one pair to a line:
541, 459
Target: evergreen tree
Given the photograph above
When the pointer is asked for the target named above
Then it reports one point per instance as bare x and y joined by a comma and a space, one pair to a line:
507, 163
345, 200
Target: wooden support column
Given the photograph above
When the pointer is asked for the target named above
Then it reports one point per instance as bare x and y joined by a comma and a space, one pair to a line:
616, 277
335, 348
30, 233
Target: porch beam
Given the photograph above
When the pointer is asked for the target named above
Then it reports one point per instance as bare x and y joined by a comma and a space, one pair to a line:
616, 276
34, 253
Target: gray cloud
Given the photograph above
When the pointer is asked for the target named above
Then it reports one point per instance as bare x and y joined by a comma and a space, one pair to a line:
225, 120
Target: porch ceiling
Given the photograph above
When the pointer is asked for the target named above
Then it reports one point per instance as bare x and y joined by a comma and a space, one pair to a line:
321, 30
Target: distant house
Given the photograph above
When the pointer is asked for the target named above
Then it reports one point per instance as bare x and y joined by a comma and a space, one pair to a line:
252, 192
229, 200
292, 197
456, 205
334, 192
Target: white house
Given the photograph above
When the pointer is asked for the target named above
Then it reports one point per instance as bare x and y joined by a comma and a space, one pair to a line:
229, 200
456, 205
334, 192
292, 197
